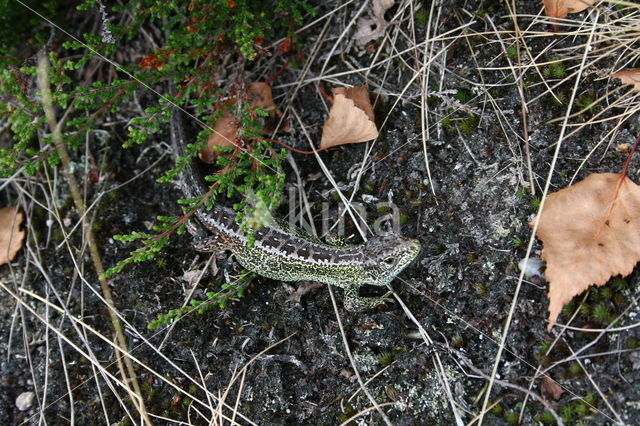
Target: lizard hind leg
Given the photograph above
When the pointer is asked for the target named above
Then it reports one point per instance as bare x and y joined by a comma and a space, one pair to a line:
210, 243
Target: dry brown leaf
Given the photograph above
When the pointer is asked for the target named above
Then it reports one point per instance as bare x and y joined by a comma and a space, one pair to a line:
360, 97
226, 127
11, 237
590, 232
623, 147
631, 76
561, 8
350, 118
260, 96
373, 26
550, 389
225, 133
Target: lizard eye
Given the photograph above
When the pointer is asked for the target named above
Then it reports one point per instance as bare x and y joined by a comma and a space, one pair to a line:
389, 261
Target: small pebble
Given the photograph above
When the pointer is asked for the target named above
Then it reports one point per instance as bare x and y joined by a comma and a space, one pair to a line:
532, 268
24, 401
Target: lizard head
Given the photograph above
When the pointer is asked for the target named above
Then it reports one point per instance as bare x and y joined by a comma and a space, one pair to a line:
385, 256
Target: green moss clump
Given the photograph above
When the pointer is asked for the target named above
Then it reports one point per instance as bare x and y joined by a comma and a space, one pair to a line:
555, 69
511, 417
468, 125
386, 358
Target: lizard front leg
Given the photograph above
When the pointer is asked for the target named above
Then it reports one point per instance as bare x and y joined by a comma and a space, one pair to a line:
354, 302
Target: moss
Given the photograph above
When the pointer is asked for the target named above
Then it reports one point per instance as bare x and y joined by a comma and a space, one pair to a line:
386, 358
585, 310
497, 409
560, 98
511, 417
112, 197
575, 369
619, 284
457, 341
581, 409
541, 352
555, 69
422, 17
602, 313
535, 203
348, 412
161, 262
546, 418
463, 96
480, 288
57, 236
585, 102
383, 209
590, 399
522, 192
605, 293
468, 125
568, 413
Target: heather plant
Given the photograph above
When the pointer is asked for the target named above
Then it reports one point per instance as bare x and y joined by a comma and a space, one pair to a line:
200, 39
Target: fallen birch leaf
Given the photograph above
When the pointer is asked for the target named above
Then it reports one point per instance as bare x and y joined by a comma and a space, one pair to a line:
226, 127
631, 76
11, 237
350, 118
550, 389
225, 133
590, 232
561, 8
360, 97
260, 96
373, 26
623, 147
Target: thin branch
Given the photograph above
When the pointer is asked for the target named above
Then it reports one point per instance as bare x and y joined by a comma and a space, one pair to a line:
45, 89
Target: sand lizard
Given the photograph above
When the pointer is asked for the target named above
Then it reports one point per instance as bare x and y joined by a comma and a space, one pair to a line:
282, 253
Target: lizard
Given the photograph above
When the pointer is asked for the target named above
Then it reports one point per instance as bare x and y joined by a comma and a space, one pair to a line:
285, 253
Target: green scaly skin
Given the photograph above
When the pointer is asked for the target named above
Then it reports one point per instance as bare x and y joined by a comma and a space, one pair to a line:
282, 253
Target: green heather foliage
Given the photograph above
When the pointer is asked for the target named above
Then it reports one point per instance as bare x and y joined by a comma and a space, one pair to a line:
199, 35
218, 299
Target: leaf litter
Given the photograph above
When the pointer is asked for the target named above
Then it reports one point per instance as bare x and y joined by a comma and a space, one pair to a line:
590, 232
11, 237
630, 76
372, 26
351, 118
550, 389
226, 128
561, 8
